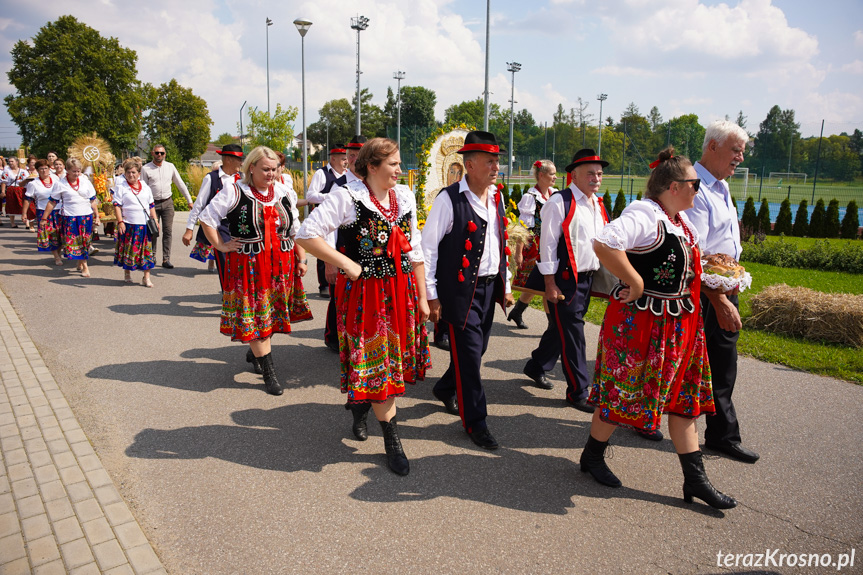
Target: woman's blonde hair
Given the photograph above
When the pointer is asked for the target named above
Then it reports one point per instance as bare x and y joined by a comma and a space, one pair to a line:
253, 158
543, 167
74, 162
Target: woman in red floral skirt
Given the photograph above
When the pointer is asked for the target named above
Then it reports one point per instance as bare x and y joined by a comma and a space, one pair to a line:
652, 357
380, 292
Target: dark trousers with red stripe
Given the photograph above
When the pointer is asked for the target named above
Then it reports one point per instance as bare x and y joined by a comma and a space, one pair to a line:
564, 338
331, 336
467, 347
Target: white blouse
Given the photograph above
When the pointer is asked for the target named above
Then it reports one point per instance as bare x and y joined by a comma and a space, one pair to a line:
222, 202
39, 193
527, 205
136, 208
338, 210
636, 227
11, 178
75, 202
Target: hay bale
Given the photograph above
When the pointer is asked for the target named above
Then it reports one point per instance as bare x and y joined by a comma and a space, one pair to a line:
810, 314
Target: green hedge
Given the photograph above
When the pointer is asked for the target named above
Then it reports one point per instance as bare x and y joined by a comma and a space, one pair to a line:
844, 257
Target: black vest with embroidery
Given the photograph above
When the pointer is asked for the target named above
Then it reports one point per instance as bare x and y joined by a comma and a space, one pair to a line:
456, 282
668, 270
245, 221
536, 230
215, 188
365, 241
330, 181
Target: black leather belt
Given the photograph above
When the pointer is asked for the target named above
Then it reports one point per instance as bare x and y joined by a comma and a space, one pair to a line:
486, 280
582, 276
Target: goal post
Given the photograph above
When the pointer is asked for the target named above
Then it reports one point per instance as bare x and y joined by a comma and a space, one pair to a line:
742, 174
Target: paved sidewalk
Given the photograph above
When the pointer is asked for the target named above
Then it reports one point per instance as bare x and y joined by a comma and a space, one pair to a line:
59, 510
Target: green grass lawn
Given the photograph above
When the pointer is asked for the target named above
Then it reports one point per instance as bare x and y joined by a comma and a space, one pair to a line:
823, 358
806, 243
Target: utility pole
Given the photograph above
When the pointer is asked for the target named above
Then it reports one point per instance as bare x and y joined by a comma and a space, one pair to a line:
511, 67
485, 92
359, 24
602, 98
399, 76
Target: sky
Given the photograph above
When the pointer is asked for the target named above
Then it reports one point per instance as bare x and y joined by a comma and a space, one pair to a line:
712, 59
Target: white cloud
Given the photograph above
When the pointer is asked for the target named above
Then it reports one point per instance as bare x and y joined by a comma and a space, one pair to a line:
855, 67
858, 38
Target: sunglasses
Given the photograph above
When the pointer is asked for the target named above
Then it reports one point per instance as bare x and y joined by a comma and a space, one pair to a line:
159, 153
696, 182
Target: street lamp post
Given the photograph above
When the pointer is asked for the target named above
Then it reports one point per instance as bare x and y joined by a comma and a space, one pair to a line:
485, 92
399, 76
241, 123
303, 26
511, 67
601, 98
269, 23
359, 24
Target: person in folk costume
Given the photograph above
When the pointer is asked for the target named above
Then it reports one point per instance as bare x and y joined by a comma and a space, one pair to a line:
38, 192
380, 293
258, 293
652, 356
464, 241
12, 188
571, 218
133, 204
323, 181
526, 255
214, 182
78, 215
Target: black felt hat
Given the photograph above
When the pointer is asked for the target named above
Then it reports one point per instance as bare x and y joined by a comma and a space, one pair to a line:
478, 141
231, 150
357, 142
585, 156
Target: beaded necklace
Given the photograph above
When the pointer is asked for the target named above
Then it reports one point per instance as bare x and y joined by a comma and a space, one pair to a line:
677, 221
271, 191
135, 190
75, 185
43, 182
391, 213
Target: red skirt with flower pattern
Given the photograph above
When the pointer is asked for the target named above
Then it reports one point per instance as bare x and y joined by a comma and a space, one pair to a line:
382, 345
255, 307
529, 257
647, 365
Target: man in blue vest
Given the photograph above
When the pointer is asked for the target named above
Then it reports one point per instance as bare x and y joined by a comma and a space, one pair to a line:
570, 220
464, 241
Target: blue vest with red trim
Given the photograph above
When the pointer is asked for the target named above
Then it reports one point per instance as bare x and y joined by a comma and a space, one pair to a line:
215, 188
566, 276
456, 282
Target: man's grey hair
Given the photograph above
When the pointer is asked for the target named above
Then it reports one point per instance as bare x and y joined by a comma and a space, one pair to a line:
720, 130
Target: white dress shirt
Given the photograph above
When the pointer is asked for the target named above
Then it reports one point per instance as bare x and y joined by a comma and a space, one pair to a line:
204, 195
715, 217
159, 179
439, 223
527, 205
590, 223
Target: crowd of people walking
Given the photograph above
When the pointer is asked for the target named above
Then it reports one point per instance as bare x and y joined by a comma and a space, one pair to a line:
667, 345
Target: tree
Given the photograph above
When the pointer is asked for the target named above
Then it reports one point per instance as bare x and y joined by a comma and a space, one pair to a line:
180, 115
276, 132
655, 118
471, 113
372, 119
783, 219
619, 205
337, 120
749, 221
418, 106
741, 119
606, 200
224, 139
687, 136
73, 81
831, 219
817, 223
851, 221
764, 217
778, 136
801, 220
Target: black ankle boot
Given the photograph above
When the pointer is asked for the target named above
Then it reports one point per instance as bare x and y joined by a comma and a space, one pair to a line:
696, 484
515, 314
360, 411
271, 382
395, 454
593, 462
256, 363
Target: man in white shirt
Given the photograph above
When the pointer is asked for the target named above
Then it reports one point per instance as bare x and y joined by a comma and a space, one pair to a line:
715, 218
159, 174
464, 242
571, 219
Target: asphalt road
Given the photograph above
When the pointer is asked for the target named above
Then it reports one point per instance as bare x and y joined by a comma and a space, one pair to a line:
227, 479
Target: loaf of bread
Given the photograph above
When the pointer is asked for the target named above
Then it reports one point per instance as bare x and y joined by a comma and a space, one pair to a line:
722, 265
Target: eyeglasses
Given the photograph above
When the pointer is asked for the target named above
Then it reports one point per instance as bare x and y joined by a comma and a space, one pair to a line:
696, 182
159, 153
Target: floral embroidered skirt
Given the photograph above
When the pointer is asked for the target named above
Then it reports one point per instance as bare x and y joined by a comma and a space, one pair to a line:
48, 234
255, 306
77, 236
529, 257
202, 252
134, 249
382, 346
647, 365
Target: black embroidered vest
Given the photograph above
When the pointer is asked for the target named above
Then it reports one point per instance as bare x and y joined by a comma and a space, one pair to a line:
456, 282
215, 188
667, 268
365, 241
246, 223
